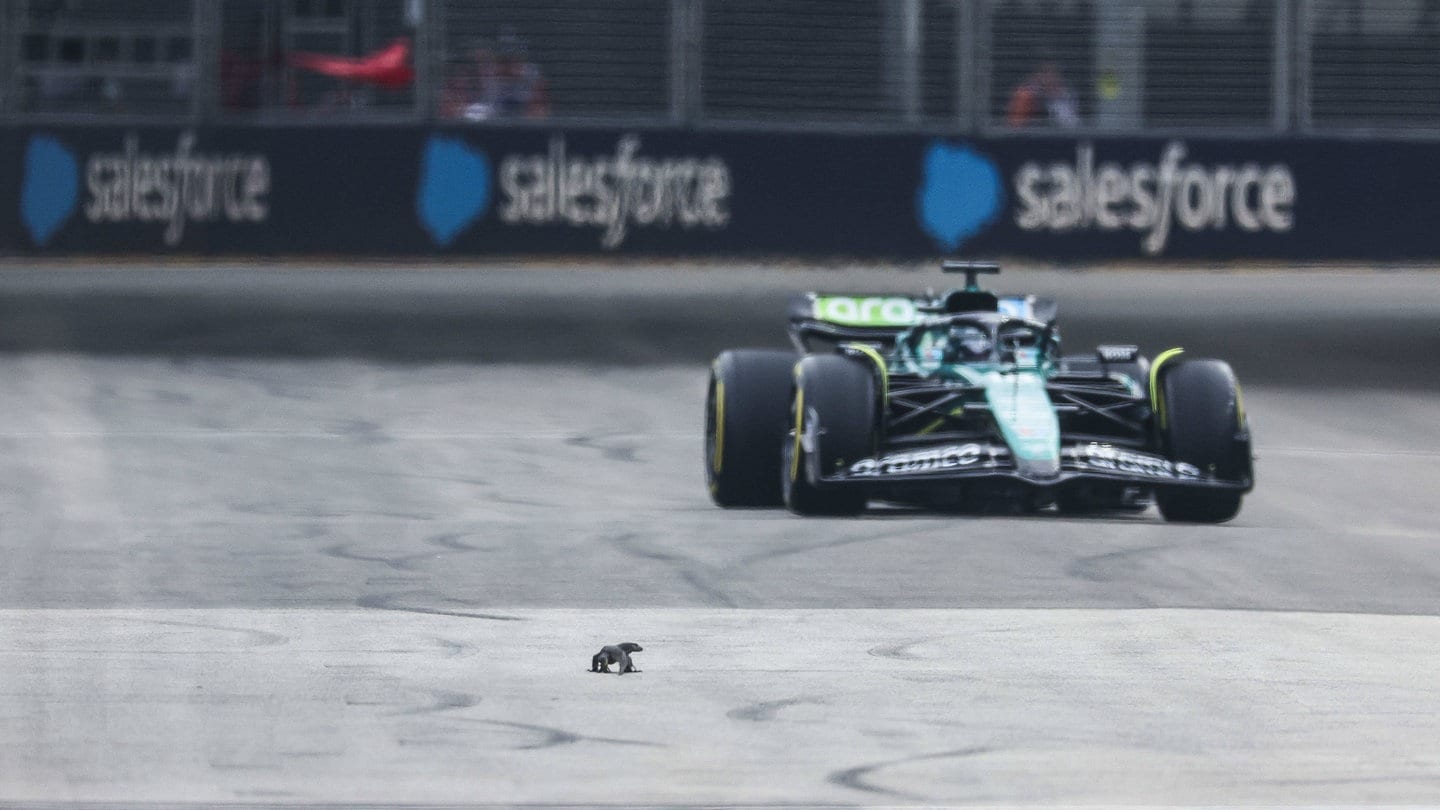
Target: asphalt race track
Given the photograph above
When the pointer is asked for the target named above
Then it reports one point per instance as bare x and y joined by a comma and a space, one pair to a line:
321, 536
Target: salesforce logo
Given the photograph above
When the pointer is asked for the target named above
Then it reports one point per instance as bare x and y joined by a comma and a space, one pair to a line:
131, 187
1153, 200
613, 193
454, 188
961, 193
50, 188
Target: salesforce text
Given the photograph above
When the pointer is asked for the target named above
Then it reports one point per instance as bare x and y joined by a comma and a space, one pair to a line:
1146, 197
171, 188
614, 191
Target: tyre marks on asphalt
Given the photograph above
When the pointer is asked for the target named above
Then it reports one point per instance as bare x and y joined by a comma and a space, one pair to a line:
1113, 566
611, 447
860, 777
695, 574
552, 737
442, 700
341, 551
390, 601
255, 638
451, 542
710, 579
455, 542
455, 649
768, 710
900, 651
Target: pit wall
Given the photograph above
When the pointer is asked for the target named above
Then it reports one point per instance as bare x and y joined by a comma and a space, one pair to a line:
461, 192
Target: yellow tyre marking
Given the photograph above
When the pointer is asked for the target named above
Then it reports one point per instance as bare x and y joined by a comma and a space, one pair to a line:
880, 364
718, 462
1155, 401
799, 417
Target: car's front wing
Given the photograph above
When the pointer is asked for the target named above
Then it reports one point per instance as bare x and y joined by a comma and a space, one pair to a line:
985, 460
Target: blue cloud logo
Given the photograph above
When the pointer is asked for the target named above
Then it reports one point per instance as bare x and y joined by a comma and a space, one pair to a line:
960, 194
49, 189
454, 188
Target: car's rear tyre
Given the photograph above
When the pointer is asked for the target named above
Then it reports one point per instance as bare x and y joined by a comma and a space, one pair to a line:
833, 414
1202, 422
747, 410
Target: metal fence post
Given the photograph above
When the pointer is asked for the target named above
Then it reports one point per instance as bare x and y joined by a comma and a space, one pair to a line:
1282, 59
910, 25
429, 56
984, 54
9, 60
692, 63
1304, 64
679, 56
205, 21
1119, 65
900, 59
967, 65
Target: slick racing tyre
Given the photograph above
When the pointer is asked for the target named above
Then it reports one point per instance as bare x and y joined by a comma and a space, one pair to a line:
747, 411
832, 418
1202, 422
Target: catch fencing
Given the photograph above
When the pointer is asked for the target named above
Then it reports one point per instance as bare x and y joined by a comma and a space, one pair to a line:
1112, 67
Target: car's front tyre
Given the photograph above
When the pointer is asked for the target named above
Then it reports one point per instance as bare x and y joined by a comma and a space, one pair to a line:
833, 423
1201, 422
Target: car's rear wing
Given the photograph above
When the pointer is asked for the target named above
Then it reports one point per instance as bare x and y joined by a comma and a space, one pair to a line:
878, 318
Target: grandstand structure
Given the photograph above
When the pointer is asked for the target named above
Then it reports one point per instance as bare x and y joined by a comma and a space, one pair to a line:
1242, 67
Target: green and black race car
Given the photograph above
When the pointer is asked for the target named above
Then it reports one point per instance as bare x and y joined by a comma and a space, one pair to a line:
964, 401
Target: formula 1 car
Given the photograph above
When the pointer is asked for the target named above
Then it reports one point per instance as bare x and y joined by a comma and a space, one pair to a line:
963, 401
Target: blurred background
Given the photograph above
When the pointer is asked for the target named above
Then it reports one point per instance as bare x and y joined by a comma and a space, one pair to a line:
1290, 130
1113, 66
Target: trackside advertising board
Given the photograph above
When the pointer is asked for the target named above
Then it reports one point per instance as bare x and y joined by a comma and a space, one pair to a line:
436, 192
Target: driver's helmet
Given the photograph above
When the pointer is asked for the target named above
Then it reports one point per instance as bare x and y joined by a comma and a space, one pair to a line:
932, 348
968, 343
